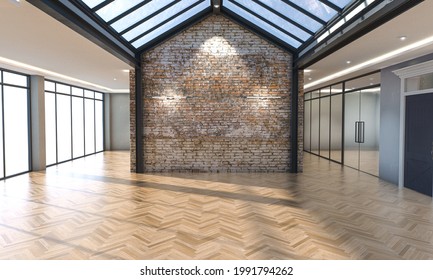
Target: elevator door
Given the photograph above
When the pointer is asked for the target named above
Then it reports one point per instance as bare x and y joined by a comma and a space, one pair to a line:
361, 124
418, 163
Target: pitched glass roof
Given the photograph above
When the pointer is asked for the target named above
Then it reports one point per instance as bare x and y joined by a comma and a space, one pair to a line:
142, 22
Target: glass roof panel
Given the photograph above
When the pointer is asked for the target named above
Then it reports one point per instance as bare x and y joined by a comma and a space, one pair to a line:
293, 14
116, 8
275, 19
139, 14
261, 24
291, 21
92, 3
152, 22
171, 24
316, 7
340, 3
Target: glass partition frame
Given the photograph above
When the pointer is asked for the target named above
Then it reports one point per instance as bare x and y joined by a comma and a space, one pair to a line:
74, 132
337, 94
15, 142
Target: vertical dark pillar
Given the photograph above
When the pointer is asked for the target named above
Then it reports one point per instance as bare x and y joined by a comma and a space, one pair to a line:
139, 119
294, 120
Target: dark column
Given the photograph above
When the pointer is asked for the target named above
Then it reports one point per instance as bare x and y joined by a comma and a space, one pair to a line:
139, 119
294, 120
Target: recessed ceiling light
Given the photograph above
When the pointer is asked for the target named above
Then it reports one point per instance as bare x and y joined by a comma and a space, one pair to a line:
307, 70
16, 2
402, 38
310, 79
125, 70
115, 79
348, 62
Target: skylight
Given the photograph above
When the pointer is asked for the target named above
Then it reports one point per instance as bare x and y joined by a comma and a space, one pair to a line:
142, 22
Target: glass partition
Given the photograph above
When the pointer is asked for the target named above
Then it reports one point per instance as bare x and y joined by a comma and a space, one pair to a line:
74, 122
64, 133
325, 113
14, 124
315, 125
307, 125
369, 148
78, 127
336, 144
1, 134
50, 128
89, 126
16, 130
346, 112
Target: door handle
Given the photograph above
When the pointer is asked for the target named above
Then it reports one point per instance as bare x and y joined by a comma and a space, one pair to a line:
362, 132
356, 132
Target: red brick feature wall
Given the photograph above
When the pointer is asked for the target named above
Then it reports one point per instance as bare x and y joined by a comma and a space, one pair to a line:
216, 98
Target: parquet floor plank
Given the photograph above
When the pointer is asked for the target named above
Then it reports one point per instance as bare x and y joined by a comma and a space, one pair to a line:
94, 208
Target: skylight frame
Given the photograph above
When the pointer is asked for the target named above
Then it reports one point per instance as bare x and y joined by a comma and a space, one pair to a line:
273, 25
284, 25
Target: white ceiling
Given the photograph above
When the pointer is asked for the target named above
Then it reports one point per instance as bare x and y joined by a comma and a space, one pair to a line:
416, 24
30, 36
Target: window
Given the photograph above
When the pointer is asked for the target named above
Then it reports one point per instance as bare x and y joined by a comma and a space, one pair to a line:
73, 122
14, 124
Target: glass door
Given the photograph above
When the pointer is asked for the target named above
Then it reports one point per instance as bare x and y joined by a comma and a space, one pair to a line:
352, 128
361, 130
369, 120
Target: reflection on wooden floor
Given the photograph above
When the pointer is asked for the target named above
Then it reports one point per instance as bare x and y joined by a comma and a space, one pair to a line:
93, 208
364, 160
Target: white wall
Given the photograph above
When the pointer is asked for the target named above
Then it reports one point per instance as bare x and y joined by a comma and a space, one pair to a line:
117, 122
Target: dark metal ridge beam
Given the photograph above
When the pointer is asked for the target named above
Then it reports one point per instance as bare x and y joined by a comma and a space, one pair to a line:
87, 27
175, 31
258, 31
390, 11
239, 5
166, 21
216, 6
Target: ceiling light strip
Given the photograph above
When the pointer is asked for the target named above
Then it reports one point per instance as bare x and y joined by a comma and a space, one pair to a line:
382, 58
57, 75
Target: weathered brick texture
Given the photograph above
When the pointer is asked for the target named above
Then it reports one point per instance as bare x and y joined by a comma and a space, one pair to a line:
216, 98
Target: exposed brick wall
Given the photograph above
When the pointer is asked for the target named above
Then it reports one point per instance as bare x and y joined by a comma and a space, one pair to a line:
198, 110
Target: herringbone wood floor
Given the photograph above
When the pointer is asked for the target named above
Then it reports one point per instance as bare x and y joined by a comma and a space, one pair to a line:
94, 208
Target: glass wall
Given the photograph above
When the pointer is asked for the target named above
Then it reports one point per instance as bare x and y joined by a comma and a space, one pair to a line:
73, 122
347, 112
324, 122
336, 140
14, 124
